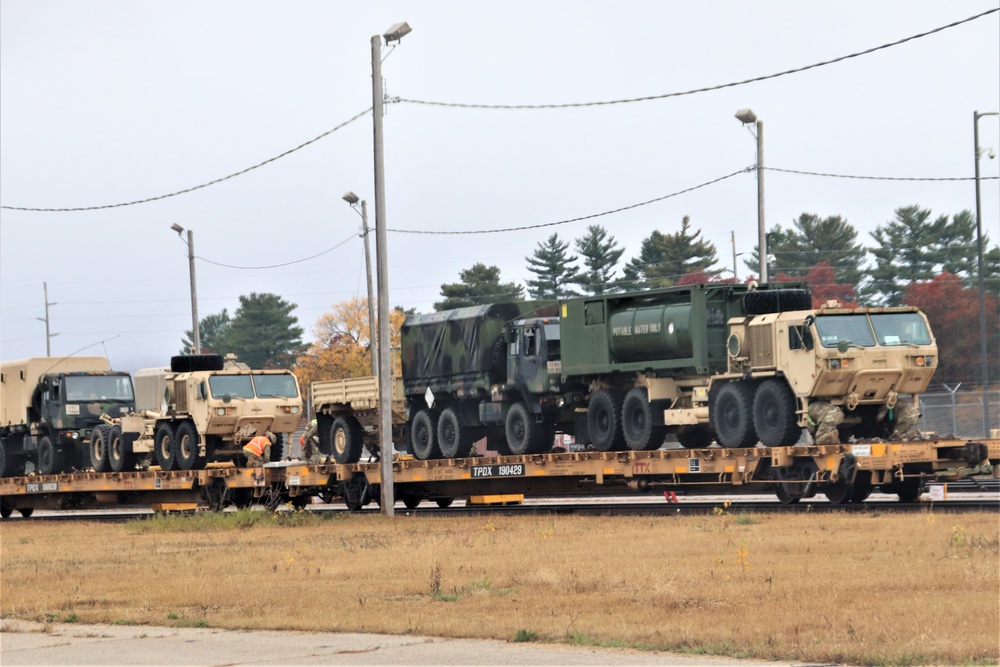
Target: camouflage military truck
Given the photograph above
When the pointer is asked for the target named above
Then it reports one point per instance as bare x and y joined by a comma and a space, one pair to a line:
733, 363
203, 409
52, 410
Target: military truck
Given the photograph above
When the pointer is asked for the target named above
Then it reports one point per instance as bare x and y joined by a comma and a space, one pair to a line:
52, 409
347, 418
733, 363
203, 409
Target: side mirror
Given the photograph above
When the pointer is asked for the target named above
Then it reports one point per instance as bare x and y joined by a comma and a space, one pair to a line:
202, 390
843, 346
226, 398
509, 335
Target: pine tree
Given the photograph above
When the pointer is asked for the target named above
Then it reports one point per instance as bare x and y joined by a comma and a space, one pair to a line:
480, 284
810, 241
211, 334
263, 331
601, 254
664, 258
904, 251
555, 270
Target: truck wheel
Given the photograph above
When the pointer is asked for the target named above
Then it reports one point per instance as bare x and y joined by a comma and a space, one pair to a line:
348, 440
50, 458
120, 456
186, 447
774, 414
731, 413
604, 421
163, 444
454, 439
524, 434
99, 439
762, 302
423, 435
695, 436
637, 422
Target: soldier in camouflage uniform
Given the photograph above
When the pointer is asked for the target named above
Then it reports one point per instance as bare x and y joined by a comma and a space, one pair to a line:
824, 418
907, 417
310, 443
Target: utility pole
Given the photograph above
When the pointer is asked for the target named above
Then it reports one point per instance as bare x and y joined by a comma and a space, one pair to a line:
48, 336
353, 200
983, 352
733, 237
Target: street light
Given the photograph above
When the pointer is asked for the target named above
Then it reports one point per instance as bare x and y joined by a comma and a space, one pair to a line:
393, 34
746, 116
195, 335
982, 282
352, 199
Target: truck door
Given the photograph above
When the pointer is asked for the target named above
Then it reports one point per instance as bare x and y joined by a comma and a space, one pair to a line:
530, 369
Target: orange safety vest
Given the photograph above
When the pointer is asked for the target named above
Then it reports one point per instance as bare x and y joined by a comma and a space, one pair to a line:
257, 445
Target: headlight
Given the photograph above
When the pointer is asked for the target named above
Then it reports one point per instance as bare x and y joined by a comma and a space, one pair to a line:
837, 364
925, 361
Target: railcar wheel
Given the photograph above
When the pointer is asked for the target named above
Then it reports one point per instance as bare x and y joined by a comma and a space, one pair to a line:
99, 439
163, 444
785, 496
862, 486
348, 440
5, 509
696, 436
774, 414
524, 434
604, 420
50, 458
185, 447
444, 503
731, 413
908, 490
26, 512
454, 439
423, 435
638, 427
411, 502
839, 492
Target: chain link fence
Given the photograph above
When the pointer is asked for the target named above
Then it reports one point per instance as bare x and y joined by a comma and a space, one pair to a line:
960, 413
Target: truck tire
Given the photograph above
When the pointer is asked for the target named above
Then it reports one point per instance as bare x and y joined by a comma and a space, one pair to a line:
454, 439
120, 456
695, 436
638, 427
731, 414
774, 414
187, 363
50, 457
604, 421
524, 434
762, 302
185, 446
347, 440
423, 435
163, 446
99, 448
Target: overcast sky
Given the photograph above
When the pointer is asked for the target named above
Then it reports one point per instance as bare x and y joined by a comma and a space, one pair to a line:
107, 102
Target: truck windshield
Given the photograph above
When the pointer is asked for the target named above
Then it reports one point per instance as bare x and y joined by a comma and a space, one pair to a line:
900, 329
237, 386
275, 386
99, 388
855, 329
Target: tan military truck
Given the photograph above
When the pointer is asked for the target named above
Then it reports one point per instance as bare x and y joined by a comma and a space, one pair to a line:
347, 416
203, 409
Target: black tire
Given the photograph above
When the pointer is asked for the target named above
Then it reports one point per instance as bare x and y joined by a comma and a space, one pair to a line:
638, 423
163, 447
697, 436
186, 442
454, 439
762, 302
26, 512
444, 503
50, 458
278, 447
100, 438
187, 363
774, 415
908, 490
5, 510
524, 434
423, 435
347, 439
731, 412
604, 421
120, 455
324, 431
411, 502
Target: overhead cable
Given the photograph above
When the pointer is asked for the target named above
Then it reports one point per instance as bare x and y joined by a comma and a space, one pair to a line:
882, 178
585, 217
197, 187
277, 266
699, 90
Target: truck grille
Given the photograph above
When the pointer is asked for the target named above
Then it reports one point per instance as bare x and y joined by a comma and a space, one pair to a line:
761, 348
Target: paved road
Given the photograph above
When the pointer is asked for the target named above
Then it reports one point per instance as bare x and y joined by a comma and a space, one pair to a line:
27, 643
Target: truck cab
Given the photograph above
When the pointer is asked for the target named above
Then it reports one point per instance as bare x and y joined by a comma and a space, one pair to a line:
534, 363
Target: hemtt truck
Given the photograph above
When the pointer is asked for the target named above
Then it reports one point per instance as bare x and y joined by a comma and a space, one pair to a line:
51, 408
730, 363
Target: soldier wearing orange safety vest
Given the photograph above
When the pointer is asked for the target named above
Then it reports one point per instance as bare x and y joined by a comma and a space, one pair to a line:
258, 450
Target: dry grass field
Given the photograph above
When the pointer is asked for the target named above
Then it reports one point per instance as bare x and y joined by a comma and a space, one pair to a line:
873, 589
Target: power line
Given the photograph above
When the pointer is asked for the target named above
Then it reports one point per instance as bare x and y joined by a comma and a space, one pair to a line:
882, 178
276, 266
197, 187
585, 217
700, 90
